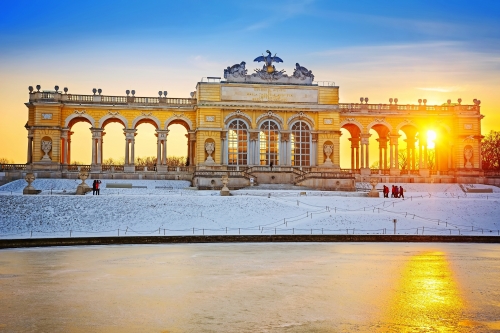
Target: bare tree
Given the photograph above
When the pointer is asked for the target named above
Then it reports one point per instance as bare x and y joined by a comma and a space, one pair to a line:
173, 161
490, 150
4, 160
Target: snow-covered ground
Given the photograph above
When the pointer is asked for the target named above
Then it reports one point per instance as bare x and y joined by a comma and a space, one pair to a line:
172, 208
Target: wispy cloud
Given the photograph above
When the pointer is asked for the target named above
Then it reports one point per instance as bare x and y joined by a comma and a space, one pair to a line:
441, 89
282, 13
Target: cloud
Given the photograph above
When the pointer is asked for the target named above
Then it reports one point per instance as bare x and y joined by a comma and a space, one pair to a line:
283, 12
441, 89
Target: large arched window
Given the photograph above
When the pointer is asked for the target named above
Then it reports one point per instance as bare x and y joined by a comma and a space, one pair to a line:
237, 143
301, 144
269, 143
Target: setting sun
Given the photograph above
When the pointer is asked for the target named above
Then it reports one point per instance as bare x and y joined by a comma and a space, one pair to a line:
431, 139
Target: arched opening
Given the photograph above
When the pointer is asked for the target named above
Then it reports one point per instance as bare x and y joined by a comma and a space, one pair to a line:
113, 150
269, 138
379, 151
237, 142
300, 143
351, 137
408, 156
145, 143
79, 141
178, 144
442, 149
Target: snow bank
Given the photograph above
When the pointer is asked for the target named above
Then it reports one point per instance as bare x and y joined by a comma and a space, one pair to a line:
168, 207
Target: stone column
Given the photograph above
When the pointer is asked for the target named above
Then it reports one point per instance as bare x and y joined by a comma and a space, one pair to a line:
224, 148
479, 155
314, 149
69, 146
394, 170
64, 148
254, 148
161, 150
424, 171
355, 150
365, 154
420, 165
352, 157
380, 163
96, 149
129, 150
192, 142
29, 158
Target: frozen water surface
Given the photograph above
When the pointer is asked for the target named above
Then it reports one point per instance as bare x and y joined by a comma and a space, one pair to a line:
327, 287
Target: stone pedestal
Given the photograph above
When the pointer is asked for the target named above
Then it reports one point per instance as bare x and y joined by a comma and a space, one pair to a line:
373, 192
29, 190
225, 190
365, 171
83, 188
129, 168
394, 172
424, 172
95, 168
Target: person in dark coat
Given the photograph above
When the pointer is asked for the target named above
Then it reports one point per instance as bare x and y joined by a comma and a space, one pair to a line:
393, 192
93, 187
386, 191
271, 165
401, 194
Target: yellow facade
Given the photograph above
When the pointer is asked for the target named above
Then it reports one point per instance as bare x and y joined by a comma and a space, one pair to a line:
216, 105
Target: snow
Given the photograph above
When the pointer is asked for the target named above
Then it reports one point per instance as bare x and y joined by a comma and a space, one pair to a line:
172, 208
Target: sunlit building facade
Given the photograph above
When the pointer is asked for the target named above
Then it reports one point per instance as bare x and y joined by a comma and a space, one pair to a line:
267, 118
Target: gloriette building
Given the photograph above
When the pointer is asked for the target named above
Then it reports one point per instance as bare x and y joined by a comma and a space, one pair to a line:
242, 124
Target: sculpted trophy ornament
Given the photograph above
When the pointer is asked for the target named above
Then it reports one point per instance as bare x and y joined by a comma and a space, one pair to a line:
210, 147
328, 149
46, 148
268, 73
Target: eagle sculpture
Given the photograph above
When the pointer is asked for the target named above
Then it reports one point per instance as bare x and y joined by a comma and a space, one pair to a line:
268, 60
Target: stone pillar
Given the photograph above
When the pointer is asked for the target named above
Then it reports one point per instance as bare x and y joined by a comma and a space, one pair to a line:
161, 150
314, 149
352, 157
29, 158
420, 165
64, 148
479, 155
355, 147
254, 148
380, 163
424, 171
69, 146
129, 150
224, 156
96, 149
365, 154
192, 138
394, 170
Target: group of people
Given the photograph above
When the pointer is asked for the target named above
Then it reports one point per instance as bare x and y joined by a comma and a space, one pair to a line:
96, 187
396, 192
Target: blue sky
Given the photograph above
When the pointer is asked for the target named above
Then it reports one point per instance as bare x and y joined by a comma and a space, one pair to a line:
377, 49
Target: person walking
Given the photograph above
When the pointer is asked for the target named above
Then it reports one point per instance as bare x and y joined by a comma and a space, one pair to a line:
386, 191
271, 165
401, 192
93, 187
393, 192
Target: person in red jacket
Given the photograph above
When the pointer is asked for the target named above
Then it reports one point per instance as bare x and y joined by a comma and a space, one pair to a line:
98, 186
401, 194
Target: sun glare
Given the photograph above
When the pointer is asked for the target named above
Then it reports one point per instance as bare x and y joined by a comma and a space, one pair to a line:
431, 139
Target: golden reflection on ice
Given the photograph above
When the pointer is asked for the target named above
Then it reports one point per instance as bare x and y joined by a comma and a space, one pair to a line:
427, 298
